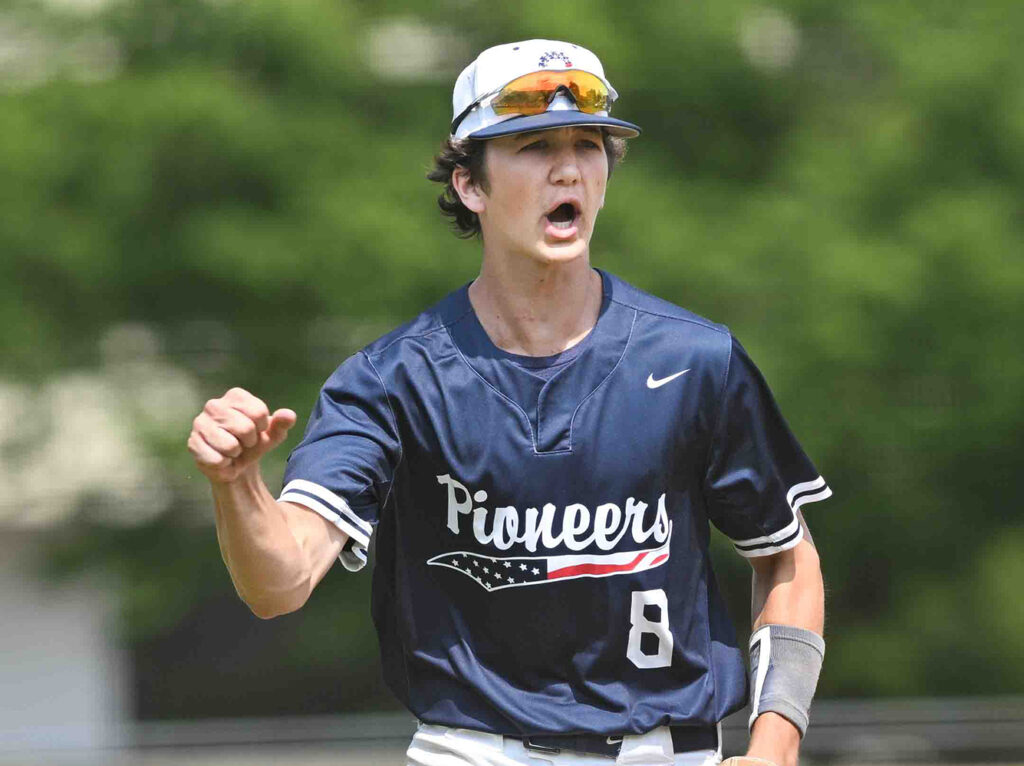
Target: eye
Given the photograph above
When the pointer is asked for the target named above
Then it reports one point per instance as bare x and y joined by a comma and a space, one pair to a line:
533, 145
589, 144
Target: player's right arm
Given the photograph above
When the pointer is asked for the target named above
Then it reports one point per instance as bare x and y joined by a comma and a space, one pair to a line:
275, 552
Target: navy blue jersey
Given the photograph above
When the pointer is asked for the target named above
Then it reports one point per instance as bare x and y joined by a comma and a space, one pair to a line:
542, 524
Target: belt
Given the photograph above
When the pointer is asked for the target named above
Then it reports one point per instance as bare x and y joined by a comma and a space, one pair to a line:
684, 739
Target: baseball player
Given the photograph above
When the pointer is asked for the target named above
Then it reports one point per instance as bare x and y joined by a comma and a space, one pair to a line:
539, 457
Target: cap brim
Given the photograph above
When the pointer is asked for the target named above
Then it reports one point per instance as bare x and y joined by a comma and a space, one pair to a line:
557, 119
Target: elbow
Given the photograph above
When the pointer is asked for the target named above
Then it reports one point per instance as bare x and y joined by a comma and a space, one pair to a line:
269, 606
266, 614
273, 596
264, 611
268, 610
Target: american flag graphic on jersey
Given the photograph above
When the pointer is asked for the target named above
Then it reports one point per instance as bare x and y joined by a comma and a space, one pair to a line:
495, 573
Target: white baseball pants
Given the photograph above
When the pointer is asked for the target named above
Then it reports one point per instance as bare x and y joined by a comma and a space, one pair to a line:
444, 746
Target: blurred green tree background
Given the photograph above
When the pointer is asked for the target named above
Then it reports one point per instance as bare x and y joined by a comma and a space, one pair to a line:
196, 194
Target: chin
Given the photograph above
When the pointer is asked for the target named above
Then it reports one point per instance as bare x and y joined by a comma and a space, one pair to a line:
562, 252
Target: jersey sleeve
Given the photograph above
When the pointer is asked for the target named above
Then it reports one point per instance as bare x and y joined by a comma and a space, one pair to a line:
344, 467
758, 475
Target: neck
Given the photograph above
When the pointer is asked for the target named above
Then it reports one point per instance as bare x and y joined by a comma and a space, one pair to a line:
536, 309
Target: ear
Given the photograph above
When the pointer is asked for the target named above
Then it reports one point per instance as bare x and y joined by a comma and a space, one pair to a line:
471, 194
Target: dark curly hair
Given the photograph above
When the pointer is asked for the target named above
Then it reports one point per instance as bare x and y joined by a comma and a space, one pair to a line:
469, 153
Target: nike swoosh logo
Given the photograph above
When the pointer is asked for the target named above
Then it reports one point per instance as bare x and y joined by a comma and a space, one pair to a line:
652, 383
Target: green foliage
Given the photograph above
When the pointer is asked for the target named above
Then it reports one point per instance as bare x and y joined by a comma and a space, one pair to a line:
849, 204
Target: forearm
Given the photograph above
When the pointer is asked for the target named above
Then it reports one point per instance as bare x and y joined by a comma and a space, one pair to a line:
276, 552
271, 571
787, 590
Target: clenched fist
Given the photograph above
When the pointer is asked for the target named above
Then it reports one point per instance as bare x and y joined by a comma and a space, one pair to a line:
232, 433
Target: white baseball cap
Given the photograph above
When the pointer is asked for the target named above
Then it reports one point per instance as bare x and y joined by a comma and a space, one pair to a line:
473, 117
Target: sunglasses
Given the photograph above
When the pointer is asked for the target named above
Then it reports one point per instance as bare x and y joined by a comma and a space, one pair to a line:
532, 94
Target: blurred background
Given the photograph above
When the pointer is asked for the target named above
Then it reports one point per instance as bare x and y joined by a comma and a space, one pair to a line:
197, 194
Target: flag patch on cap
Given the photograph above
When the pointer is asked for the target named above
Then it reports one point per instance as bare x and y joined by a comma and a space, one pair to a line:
552, 56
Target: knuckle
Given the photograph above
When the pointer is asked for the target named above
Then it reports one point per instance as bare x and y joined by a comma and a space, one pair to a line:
256, 408
195, 448
236, 393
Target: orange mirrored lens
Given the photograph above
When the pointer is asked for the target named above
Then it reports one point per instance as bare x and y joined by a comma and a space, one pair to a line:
531, 93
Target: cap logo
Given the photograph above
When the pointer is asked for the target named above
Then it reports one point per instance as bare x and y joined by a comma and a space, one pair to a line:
550, 56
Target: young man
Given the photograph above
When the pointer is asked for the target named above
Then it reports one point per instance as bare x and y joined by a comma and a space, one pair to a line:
540, 455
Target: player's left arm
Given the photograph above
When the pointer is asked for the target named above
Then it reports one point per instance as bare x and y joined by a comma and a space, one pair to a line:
787, 589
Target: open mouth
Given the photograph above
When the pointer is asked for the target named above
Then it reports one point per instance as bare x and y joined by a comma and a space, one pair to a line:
563, 216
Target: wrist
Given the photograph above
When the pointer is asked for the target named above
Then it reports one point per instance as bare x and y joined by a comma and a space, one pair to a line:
776, 739
246, 486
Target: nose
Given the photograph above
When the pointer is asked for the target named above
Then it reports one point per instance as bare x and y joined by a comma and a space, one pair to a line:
565, 168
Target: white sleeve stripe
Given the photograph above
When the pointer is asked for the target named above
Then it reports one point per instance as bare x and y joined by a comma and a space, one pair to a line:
328, 513
335, 502
806, 486
803, 500
783, 534
768, 550
774, 537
